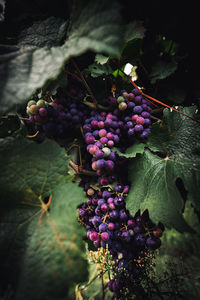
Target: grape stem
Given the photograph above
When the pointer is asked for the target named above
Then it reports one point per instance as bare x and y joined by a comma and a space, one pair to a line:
84, 81
78, 169
93, 105
154, 118
156, 111
102, 284
73, 75
32, 136
20, 118
149, 98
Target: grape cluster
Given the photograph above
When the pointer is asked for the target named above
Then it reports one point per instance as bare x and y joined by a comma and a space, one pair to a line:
57, 117
130, 119
110, 225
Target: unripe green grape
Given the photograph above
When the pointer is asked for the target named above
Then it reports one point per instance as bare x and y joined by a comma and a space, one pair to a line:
28, 111
33, 109
120, 99
41, 103
122, 106
106, 150
31, 102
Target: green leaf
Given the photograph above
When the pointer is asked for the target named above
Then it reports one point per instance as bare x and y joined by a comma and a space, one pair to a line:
46, 253
29, 169
101, 59
162, 70
134, 30
45, 33
132, 151
154, 179
93, 26
97, 70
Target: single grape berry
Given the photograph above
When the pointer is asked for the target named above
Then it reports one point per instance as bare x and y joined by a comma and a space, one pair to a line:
31, 102
105, 236
120, 99
33, 109
157, 232
93, 236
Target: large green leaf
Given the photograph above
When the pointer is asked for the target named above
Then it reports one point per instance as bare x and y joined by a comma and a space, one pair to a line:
132, 151
162, 70
173, 153
42, 253
29, 169
38, 59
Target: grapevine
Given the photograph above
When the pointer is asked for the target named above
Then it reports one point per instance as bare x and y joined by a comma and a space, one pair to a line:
127, 239
99, 134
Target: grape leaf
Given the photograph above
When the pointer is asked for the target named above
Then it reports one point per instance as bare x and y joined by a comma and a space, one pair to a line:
132, 151
101, 59
45, 33
134, 30
45, 255
28, 168
93, 26
162, 70
97, 70
173, 153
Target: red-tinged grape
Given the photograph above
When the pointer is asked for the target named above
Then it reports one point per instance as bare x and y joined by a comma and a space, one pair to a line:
103, 140
101, 124
93, 149
90, 139
31, 118
33, 109
110, 144
134, 117
140, 121
90, 192
105, 236
157, 232
102, 132
131, 96
42, 112
94, 236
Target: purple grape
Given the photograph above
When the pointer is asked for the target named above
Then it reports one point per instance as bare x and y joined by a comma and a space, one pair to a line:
90, 139
125, 235
103, 227
106, 194
104, 207
101, 163
153, 243
137, 109
99, 154
93, 236
138, 128
96, 220
114, 214
105, 236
